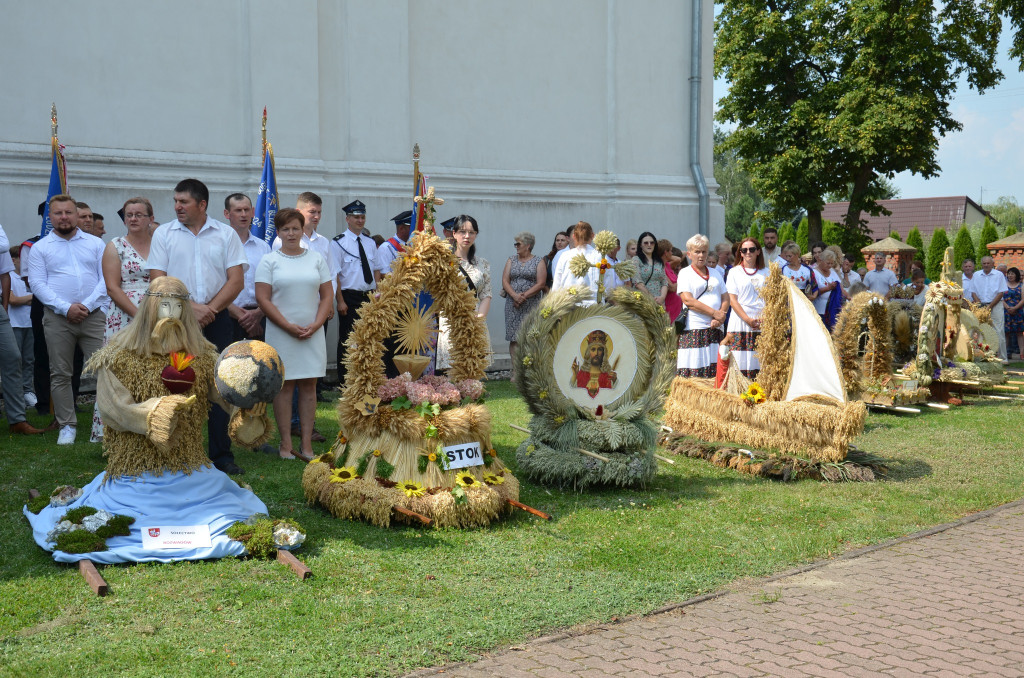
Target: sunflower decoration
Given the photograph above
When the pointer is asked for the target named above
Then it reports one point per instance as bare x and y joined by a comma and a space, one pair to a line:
412, 488
344, 474
493, 479
754, 394
466, 479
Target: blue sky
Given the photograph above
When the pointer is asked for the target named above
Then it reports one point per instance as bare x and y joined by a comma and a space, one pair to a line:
987, 156
986, 159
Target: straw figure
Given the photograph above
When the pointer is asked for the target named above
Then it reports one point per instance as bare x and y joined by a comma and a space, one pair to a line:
591, 376
402, 442
798, 403
155, 384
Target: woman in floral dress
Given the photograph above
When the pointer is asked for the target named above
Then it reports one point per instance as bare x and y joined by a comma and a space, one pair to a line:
522, 282
127, 278
1014, 309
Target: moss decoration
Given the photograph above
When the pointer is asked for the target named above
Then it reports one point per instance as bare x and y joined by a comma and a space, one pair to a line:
81, 541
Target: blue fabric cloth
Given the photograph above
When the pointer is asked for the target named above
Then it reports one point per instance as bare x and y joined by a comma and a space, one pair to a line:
205, 497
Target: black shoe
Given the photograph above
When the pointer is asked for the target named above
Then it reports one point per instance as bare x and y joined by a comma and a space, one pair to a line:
267, 448
230, 467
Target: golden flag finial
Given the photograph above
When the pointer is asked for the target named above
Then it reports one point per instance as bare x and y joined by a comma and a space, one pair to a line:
53, 120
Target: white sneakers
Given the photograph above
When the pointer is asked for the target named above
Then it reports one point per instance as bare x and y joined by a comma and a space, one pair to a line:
31, 400
67, 435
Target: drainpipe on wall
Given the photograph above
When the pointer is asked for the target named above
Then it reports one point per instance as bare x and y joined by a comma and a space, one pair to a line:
695, 81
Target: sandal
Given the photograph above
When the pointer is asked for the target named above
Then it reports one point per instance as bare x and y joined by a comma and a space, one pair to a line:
291, 456
304, 456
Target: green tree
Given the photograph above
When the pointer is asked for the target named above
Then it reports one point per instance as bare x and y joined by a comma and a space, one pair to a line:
895, 236
1010, 230
988, 234
802, 236
786, 232
834, 93
850, 241
914, 239
1007, 212
936, 251
963, 246
739, 198
755, 231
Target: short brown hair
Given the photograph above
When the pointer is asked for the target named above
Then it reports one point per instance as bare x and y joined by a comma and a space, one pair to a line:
287, 214
584, 232
138, 201
309, 198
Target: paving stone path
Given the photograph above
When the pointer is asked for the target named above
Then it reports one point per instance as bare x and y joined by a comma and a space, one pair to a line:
945, 602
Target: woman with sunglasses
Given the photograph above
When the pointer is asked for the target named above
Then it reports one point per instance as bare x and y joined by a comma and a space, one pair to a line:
522, 282
650, 268
702, 290
745, 280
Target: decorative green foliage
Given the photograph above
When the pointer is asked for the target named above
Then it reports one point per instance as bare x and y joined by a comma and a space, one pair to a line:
936, 251
401, 403
988, 234
384, 469
459, 495
895, 236
258, 535
363, 462
118, 526
963, 246
76, 515
81, 541
914, 239
1010, 230
37, 504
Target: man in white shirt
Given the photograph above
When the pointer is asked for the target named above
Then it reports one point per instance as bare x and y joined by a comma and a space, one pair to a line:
353, 265
207, 256
848, 276
582, 237
311, 206
881, 279
246, 316
988, 287
66, 277
771, 251
967, 271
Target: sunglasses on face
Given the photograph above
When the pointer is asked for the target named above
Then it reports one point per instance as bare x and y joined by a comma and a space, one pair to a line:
749, 250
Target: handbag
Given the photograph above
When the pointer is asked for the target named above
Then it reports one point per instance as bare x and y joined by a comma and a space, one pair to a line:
680, 321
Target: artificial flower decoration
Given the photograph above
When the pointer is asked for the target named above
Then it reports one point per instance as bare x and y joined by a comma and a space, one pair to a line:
542, 395
343, 474
754, 395
466, 479
412, 488
376, 453
527, 361
492, 479
545, 313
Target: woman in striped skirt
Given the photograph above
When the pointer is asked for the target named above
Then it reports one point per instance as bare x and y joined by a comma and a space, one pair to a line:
745, 279
702, 291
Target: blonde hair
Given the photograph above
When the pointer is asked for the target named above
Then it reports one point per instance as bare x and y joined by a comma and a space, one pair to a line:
698, 242
830, 256
140, 336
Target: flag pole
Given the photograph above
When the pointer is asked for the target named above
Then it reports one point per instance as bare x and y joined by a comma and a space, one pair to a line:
415, 170
264, 146
55, 148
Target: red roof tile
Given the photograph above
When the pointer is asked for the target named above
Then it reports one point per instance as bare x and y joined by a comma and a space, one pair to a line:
925, 213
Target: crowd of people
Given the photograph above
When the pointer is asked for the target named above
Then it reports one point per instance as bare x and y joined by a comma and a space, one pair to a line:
66, 294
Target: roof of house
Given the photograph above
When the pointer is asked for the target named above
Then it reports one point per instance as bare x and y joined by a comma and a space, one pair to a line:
1015, 240
925, 213
889, 245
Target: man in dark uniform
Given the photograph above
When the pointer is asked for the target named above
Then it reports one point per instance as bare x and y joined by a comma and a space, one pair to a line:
353, 265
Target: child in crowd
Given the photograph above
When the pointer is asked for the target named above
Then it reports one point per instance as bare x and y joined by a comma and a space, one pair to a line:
21, 323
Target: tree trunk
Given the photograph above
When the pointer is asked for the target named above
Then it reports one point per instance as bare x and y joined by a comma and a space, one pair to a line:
813, 226
865, 175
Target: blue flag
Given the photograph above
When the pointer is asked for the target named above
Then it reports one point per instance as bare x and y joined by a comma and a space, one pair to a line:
266, 202
58, 185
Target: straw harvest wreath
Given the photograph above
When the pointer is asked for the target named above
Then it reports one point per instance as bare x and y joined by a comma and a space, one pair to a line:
591, 376
408, 449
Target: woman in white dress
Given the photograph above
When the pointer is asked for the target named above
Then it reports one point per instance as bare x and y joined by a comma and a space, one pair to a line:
702, 291
828, 280
796, 270
477, 273
743, 283
293, 289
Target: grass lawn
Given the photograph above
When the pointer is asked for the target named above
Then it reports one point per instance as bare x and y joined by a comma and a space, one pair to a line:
383, 602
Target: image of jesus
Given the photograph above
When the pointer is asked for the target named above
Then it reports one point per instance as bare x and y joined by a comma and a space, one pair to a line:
597, 372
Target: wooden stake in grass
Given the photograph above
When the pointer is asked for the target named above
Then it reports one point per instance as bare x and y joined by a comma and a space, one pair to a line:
93, 577
297, 566
411, 514
529, 509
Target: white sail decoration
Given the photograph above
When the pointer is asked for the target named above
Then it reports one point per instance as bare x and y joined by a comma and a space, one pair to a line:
815, 368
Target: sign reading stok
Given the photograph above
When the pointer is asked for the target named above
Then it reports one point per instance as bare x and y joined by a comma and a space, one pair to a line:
464, 455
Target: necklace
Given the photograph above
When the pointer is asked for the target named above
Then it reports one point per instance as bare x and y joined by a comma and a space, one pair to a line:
703, 276
750, 274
